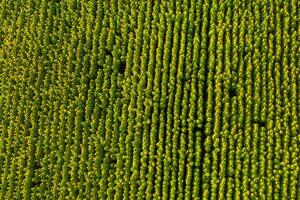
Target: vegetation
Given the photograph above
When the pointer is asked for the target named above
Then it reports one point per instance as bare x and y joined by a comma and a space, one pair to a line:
128, 99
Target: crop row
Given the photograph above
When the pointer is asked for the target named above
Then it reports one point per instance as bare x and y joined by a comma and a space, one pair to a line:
185, 99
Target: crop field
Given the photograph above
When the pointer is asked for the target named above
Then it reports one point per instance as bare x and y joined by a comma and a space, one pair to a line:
149, 99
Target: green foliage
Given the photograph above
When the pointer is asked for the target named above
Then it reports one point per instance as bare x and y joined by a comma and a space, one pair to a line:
186, 99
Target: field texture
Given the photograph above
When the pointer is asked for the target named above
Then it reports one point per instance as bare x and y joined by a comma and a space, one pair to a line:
161, 99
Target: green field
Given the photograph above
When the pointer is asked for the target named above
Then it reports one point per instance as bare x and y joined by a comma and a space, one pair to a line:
157, 99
